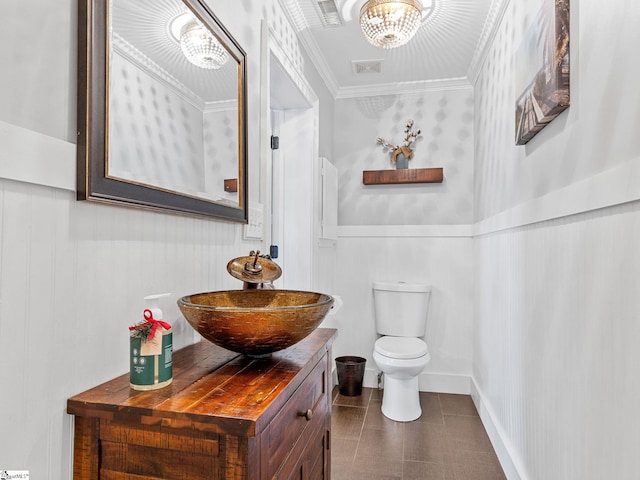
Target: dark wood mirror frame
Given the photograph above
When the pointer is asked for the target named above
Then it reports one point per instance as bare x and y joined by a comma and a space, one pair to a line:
92, 110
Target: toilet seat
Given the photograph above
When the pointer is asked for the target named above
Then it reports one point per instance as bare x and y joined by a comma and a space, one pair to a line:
401, 347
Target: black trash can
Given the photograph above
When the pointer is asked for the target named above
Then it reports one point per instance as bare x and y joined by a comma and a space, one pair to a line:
350, 375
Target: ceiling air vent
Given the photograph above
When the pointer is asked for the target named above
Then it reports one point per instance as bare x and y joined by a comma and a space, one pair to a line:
362, 67
329, 13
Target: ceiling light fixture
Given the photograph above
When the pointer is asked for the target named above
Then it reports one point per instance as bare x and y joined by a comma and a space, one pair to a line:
197, 43
200, 46
390, 23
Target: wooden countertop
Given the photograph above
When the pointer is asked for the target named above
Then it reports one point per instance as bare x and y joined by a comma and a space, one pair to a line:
228, 392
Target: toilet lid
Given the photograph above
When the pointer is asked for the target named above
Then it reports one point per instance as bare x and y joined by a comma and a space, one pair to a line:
401, 347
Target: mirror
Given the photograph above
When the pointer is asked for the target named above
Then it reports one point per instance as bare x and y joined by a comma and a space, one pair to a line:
161, 108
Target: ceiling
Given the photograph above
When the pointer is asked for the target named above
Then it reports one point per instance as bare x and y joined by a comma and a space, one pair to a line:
442, 50
141, 32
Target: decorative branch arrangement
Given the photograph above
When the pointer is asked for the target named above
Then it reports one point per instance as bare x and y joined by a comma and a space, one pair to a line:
404, 149
146, 330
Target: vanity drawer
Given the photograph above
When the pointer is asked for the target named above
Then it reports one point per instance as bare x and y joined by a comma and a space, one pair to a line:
303, 413
308, 460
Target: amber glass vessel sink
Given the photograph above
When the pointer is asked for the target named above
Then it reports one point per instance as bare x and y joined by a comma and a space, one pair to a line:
255, 322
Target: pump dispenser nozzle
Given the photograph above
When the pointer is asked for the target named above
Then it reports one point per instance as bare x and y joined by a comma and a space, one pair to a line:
154, 305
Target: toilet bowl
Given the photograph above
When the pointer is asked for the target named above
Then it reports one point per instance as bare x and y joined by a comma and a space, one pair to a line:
401, 311
401, 360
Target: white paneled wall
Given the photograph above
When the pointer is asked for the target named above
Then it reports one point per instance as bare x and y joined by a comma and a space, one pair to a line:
556, 317
556, 347
72, 278
434, 259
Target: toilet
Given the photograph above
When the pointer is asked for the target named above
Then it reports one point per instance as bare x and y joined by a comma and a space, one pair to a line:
400, 352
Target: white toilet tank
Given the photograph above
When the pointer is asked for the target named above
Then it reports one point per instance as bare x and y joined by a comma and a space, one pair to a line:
401, 308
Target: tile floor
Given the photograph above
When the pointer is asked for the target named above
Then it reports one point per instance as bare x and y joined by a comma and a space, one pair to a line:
448, 442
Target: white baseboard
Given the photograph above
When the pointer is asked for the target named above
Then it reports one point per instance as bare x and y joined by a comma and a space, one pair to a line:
444, 383
370, 379
496, 435
428, 382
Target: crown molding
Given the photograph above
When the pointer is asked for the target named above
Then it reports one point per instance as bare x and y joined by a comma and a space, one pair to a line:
403, 88
489, 31
294, 14
222, 106
135, 56
317, 59
296, 18
310, 46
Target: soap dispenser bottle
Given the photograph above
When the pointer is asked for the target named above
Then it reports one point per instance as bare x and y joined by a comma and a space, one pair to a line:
151, 348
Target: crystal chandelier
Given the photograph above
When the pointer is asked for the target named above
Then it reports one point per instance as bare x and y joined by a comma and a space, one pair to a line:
390, 23
200, 46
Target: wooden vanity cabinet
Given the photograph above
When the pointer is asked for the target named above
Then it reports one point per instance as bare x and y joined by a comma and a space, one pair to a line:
225, 416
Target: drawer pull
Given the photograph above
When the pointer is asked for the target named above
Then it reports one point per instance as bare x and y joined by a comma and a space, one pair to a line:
308, 414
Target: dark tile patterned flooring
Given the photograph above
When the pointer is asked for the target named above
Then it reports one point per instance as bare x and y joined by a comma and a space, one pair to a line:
448, 442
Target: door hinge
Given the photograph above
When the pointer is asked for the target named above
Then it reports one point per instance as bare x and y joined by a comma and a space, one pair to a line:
275, 142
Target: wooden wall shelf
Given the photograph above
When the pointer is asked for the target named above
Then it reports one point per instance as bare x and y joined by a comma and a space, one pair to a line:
408, 175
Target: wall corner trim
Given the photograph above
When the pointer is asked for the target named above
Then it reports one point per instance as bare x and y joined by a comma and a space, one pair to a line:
494, 18
497, 436
32, 157
399, 231
615, 186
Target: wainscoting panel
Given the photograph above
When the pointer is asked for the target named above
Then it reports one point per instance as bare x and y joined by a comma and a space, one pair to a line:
72, 279
556, 343
421, 255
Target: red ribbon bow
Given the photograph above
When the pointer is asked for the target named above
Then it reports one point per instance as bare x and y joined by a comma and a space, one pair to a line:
148, 316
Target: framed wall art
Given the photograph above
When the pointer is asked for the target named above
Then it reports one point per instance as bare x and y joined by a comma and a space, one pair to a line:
542, 70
